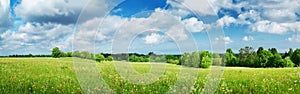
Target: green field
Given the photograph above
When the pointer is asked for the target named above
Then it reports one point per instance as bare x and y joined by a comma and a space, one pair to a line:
50, 75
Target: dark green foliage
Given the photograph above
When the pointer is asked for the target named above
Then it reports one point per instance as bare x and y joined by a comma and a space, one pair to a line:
275, 61
217, 60
296, 57
30, 55
287, 62
247, 57
263, 58
202, 59
134, 58
56, 53
171, 61
156, 58
231, 60
99, 57
109, 58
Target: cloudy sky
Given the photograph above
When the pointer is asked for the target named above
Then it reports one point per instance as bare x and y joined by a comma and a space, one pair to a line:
161, 26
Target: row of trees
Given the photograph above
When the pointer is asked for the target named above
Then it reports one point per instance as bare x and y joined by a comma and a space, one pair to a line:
248, 57
56, 53
28, 55
202, 59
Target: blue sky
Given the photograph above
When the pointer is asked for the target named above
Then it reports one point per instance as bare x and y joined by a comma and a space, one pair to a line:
161, 26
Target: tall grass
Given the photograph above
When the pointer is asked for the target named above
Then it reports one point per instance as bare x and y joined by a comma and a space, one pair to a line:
48, 75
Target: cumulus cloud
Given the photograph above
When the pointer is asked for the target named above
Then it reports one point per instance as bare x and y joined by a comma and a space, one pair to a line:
35, 36
61, 11
226, 21
225, 39
248, 38
153, 38
193, 25
97, 31
157, 21
274, 27
294, 38
201, 7
6, 20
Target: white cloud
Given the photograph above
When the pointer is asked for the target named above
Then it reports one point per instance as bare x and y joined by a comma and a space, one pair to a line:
225, 39
193, 25
97, 31
201, 7
248, 38
226, 21
294, 38
281, 15
35, 36
157, 21
251, 14
274, 27
61, 11
6, 20
153, 38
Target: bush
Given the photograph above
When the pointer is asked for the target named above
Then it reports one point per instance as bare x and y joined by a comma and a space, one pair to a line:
206, 62
99, 57
287, 62
109, 58
202, 59
171, 61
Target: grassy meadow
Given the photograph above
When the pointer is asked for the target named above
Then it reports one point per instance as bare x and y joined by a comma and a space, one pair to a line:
57, 75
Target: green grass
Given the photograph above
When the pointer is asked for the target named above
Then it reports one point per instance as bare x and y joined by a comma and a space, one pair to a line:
49, 75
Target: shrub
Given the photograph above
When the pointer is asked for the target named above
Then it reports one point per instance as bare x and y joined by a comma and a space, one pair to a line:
171, 61
287, 62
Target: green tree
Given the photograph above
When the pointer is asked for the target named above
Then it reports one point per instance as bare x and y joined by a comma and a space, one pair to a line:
99, 57
206, 62
69, 54
56, 53
263, 58
287, 62
247, 57
296, 57
109, 58
275, 61
76, 54
30, 55
231, 60
290, 53
217, 60
273, 50
206, 59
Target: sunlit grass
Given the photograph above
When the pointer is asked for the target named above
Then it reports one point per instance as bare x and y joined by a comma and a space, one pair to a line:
50, 75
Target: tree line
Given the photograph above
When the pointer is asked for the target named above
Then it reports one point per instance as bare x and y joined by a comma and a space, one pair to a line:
248, 57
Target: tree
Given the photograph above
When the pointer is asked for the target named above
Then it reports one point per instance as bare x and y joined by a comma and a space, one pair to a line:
99, 57
287, 62
231, 60
217, 60
69, 54
206, 59
290, 53
263, 58
76, 54
275, 61
259, 50
56, 53
247, 57
273, 50
30, 55
109, 58
296, 57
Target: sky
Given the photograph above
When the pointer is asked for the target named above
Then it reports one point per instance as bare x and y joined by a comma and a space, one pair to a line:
142, 26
